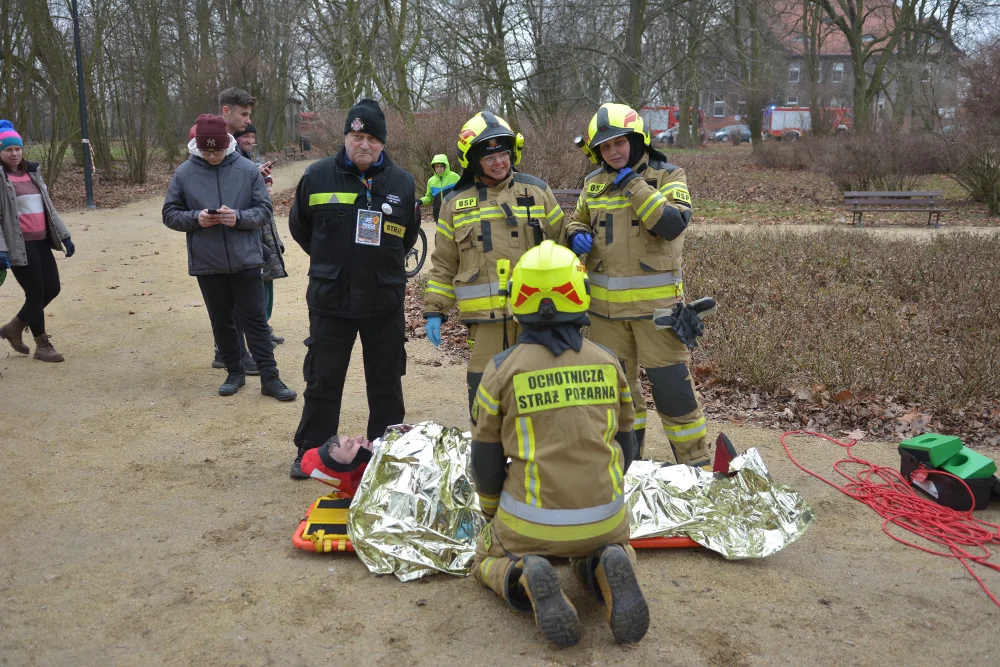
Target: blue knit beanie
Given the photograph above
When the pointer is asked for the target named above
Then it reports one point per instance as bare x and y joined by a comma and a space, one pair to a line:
9, 136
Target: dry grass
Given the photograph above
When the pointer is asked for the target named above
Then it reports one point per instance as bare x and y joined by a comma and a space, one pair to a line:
876, 316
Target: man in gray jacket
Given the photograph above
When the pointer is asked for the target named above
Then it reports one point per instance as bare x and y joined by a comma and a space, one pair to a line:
219, 200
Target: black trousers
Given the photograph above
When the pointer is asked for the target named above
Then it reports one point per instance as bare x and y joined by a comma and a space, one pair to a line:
243, 290
330, 342
40, 282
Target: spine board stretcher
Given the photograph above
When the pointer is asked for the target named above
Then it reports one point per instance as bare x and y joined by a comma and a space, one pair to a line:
324, 528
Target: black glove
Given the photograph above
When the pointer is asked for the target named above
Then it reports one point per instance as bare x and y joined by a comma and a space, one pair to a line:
68, 245
685, 319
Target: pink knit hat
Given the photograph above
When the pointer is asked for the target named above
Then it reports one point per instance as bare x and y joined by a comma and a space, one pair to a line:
8, 135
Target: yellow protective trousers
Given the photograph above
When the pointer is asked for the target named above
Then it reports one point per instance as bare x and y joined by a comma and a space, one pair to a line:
667, 362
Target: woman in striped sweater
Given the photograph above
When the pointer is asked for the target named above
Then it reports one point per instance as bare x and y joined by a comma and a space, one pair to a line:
31, 230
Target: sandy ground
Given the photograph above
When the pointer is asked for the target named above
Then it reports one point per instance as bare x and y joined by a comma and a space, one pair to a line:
146, 520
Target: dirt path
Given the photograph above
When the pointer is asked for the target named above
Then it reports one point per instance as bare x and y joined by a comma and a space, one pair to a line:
147, 520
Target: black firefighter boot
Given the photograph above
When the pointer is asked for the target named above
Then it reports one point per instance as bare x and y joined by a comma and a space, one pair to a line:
608, 574
234, 380
534, 577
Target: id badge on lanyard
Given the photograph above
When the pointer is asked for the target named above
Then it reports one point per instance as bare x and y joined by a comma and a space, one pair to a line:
369, 224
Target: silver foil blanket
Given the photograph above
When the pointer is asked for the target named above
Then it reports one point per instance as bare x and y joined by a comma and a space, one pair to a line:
416, 511
747, 515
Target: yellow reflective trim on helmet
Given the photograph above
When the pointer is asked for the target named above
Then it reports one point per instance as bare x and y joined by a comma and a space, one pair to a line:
642, 294
318, 198
526, 452
560, 533
564, 387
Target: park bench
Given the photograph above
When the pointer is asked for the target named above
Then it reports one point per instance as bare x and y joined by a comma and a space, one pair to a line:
293, 153
567, 198
930, 203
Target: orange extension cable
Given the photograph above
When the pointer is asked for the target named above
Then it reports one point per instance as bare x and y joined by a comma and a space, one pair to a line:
886, 491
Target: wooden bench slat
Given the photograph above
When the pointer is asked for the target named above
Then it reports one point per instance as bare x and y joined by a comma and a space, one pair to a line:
893, 202
901, 210
915, 193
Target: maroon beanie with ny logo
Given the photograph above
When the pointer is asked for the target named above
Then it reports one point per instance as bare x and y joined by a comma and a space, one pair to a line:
210, 133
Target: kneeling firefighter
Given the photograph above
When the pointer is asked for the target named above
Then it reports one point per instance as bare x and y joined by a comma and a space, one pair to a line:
630, 221
492, 216
559, 408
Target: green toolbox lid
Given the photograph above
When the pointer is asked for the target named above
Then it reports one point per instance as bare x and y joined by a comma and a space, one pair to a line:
939, 447
969, 464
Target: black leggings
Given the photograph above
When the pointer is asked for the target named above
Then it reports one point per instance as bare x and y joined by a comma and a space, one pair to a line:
40, 282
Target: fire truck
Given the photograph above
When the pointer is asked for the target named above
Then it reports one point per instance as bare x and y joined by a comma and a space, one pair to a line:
793, 122
661, 119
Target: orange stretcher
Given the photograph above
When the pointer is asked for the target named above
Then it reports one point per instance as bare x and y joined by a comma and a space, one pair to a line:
324, 529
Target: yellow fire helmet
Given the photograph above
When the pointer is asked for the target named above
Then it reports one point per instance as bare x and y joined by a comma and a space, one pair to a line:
610, 121
482, 127
549, 285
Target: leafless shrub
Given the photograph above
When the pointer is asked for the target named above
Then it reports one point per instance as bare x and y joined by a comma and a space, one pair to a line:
880, 316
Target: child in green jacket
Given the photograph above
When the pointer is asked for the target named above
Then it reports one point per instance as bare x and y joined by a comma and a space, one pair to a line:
440, 183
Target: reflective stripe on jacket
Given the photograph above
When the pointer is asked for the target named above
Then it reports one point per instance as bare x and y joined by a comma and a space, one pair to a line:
478, 226
635, 263
557, 418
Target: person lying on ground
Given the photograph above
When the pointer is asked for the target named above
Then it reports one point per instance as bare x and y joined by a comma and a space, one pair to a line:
340, 462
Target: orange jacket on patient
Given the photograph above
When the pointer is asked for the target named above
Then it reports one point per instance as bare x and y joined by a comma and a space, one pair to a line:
341, 462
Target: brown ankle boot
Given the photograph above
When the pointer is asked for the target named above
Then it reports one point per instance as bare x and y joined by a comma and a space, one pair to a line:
12, 333
44, 350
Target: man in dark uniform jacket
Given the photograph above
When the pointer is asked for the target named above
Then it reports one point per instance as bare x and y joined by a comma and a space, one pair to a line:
355, 215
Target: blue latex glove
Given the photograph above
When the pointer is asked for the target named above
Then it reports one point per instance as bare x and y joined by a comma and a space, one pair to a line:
70, 248
433, 329
4, 260
582, 243
622, 173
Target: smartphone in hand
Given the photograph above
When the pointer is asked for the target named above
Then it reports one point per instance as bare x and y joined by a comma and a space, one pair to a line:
212, 211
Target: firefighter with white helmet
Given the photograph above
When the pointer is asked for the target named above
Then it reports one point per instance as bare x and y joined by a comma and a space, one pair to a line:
551, 442
630, 222
491, 217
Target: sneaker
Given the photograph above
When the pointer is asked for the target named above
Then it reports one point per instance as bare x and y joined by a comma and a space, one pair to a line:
277, 389
296, 471
555, 615
625, 605
232, 384
249, 365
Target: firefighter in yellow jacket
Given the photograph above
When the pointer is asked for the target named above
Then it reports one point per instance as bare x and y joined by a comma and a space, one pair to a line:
630, 221
559, 408
492, 216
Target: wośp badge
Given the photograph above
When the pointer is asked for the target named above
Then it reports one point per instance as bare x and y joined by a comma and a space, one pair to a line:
369, 229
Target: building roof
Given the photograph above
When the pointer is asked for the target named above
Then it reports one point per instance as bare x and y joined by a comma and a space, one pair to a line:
789, 29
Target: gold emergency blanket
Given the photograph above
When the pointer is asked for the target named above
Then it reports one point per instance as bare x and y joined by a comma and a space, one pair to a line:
747, 515
416, 511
